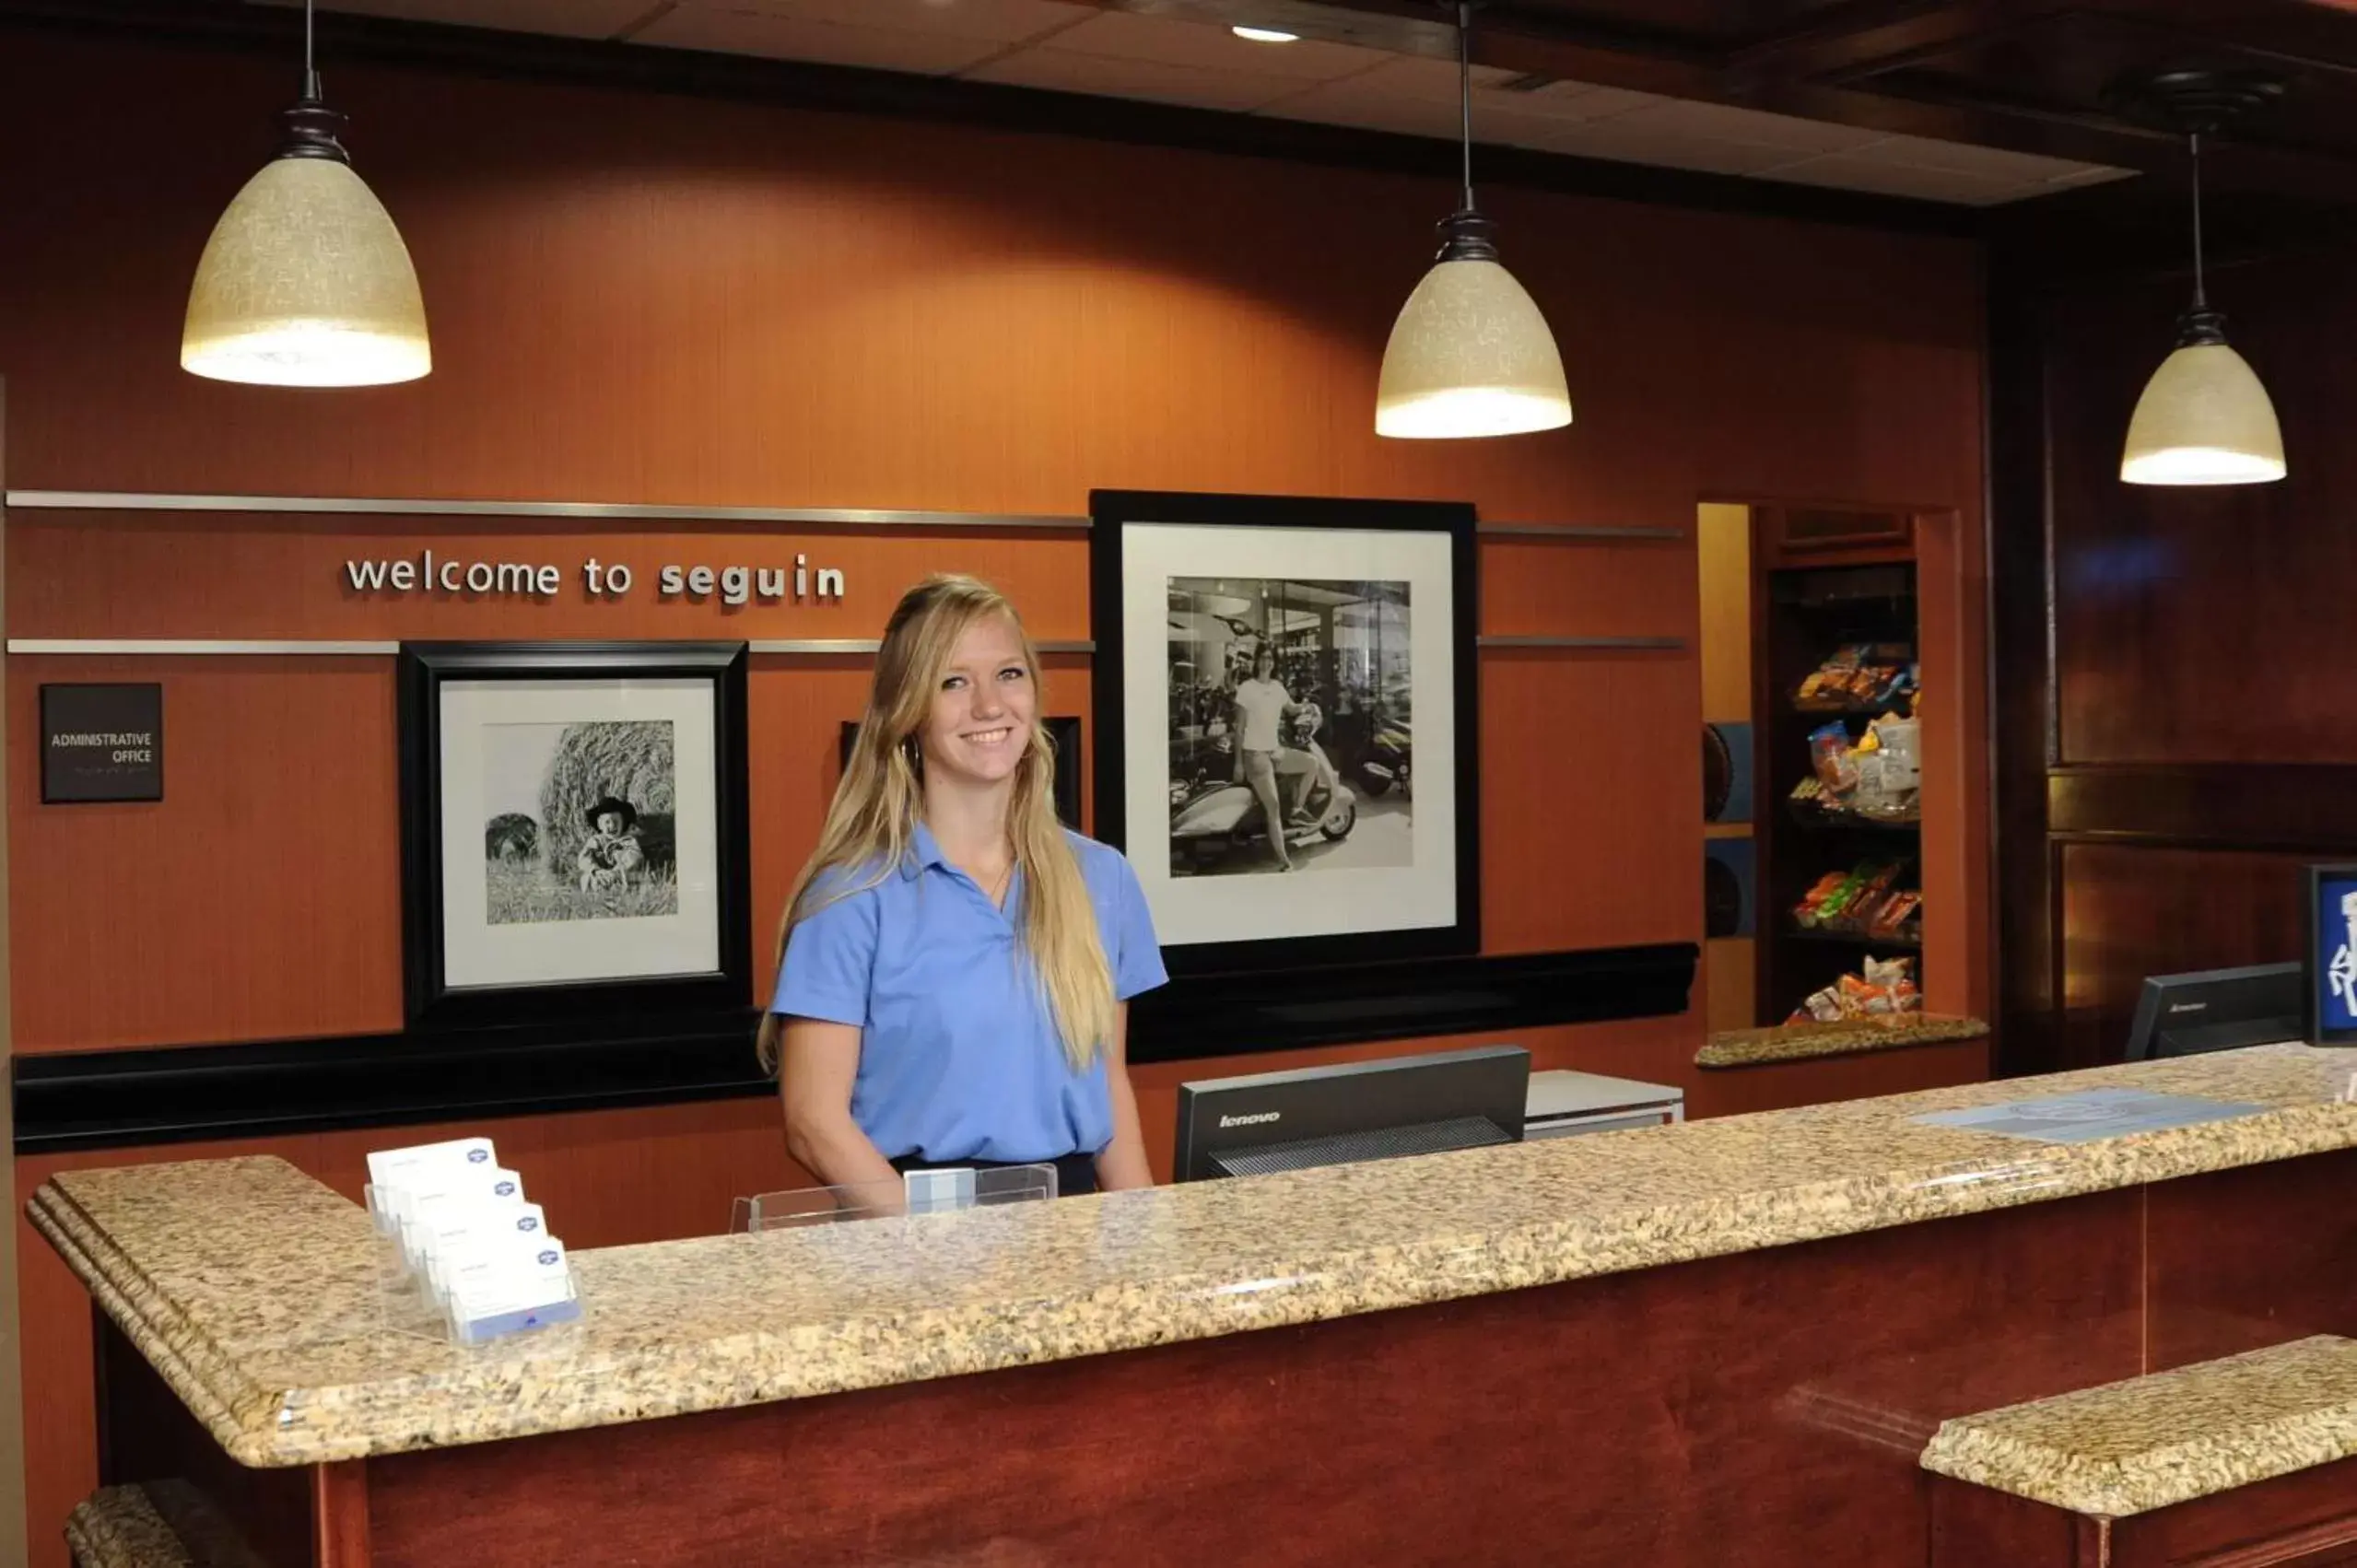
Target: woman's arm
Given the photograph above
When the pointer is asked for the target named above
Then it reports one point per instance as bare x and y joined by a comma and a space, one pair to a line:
815, 1066
1122, 1163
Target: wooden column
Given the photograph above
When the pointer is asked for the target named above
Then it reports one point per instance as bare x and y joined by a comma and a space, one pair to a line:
13, 1548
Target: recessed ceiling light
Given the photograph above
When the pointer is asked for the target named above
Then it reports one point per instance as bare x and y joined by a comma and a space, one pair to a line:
1266, 35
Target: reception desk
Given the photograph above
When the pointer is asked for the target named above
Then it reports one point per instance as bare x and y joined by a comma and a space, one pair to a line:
1720, 1341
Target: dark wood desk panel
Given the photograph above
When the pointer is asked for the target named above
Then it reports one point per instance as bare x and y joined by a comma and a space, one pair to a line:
1664, 1416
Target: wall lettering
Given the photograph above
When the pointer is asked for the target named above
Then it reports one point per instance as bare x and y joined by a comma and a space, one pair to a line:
730, 585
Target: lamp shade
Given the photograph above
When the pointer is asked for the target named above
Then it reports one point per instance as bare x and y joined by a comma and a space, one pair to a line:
1470, 355
2204, 419
305, 282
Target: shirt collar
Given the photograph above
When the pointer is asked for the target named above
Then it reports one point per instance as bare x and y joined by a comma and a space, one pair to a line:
923, 851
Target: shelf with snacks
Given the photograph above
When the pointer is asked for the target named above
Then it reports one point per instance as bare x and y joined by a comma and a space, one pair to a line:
1838, 687
1901, 944
1811, 811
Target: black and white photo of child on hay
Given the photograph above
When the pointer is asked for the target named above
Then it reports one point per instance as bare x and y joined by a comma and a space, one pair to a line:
580, 824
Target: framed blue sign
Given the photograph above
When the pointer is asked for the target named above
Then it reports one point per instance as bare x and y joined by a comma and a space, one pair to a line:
2330, 914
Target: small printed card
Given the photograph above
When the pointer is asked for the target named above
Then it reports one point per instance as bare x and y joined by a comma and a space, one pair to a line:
2090, 1114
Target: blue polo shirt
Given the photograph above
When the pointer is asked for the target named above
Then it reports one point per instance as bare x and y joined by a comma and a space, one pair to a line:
960, 1058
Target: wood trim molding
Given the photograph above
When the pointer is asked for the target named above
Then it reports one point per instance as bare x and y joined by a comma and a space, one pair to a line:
12, 1543
2281, 806
582, 511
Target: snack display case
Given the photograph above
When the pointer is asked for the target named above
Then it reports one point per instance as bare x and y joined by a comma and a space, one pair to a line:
1837, 688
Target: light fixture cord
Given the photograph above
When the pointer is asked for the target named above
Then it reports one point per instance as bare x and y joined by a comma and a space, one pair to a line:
2200, 299
310, 76
1465, 94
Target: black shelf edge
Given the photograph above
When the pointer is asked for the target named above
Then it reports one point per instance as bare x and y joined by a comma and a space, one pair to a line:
1849, 938
1828, 822
174, 1095
1239, 1014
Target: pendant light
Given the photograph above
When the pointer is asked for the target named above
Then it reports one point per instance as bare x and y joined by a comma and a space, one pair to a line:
2204, 418
1470, 353
305, 281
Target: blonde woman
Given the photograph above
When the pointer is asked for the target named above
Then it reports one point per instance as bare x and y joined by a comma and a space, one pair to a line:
955, 968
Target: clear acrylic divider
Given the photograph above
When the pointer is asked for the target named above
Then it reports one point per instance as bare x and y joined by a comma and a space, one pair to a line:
413, 1304
944, 1191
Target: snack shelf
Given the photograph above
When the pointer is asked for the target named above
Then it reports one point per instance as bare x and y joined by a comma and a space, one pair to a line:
1855, 939
1847, 822
1851, 711
1851, 630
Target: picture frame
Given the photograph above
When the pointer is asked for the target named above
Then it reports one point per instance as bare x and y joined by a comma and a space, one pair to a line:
1063, 729
1362, 731
575, 835
2328, 950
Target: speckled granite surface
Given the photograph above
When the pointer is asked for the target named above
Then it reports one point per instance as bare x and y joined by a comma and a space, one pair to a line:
252, 1288
118, 1527
2168, 1437
1795, 1042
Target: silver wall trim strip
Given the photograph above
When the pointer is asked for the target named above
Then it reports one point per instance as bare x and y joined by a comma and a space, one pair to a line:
858, 645
1582, 531
1622, 644
159, 647
834, 517
179, 647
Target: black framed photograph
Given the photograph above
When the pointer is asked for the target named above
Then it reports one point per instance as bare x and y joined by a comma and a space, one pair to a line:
2329, 914
1305, 661
574, 829
1064, 731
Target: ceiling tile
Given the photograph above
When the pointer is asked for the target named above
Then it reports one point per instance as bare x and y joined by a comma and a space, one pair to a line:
1626, 141
783, 35
570, 19
1120, 36
1416, 97
1061, 70
1560, 99
1848, 173
1747, 127
1960, 157
994, 21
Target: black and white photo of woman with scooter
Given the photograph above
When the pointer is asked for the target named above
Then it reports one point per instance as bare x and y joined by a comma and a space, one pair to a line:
1264, 712
1274, 749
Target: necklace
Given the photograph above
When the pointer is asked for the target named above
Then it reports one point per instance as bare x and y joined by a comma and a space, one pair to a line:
997, 890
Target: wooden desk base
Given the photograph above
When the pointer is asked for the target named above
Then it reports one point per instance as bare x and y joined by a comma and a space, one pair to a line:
2304, 1520
1766, 1408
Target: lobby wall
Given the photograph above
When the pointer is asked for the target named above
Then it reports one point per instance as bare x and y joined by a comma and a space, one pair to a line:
638, 298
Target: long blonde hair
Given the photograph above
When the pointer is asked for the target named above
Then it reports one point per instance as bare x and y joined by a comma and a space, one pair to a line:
871, 822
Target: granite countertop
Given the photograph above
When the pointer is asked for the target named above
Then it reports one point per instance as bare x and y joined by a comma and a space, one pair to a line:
1846, 1036
252, 1288
163, 1524
2167, 1437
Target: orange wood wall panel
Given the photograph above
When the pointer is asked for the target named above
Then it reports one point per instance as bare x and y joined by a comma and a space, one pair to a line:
1959, 912
260, 897
255, 575
645, 299
1598, 587
1590, 837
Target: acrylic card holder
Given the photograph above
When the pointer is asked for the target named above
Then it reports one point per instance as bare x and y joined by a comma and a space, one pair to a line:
429, 1287
944, 1191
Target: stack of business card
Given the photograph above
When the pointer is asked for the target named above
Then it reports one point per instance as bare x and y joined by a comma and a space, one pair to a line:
481, 1253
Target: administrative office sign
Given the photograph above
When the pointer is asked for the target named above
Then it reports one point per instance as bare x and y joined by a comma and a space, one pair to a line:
102, 742
2330, 916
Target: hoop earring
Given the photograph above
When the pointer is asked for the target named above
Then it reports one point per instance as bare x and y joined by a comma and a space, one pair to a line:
915, 756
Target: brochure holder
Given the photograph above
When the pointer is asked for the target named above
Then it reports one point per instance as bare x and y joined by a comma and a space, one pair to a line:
916, 1194
410, 1304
